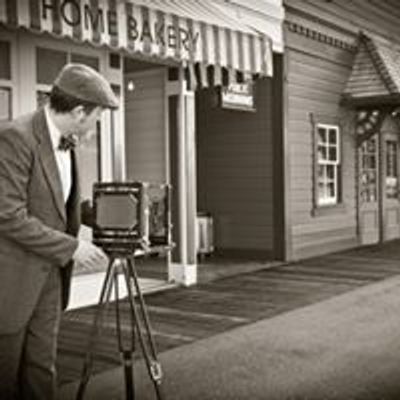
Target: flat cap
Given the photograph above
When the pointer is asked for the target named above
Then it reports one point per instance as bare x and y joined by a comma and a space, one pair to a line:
85, 83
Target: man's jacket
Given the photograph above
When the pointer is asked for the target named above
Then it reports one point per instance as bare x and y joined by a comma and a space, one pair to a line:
37, 229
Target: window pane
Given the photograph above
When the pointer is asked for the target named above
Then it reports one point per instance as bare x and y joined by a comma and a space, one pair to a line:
332, 153
321, 135
48, 64
321, 192
371, 145
368, 173
5, 62
332, 136
391, 158
322, 153
331, 190
391, 187
321, 172
87, 60
330, 172
5, 104
391, 170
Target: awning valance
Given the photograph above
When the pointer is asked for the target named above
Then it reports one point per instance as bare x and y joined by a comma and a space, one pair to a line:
375, 76
191, 32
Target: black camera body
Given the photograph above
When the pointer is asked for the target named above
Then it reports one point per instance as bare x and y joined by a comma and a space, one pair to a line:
131, 215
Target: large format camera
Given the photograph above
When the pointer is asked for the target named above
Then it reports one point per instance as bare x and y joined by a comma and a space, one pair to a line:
131, 215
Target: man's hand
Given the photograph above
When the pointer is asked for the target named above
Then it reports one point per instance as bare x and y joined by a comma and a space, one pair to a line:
89, 257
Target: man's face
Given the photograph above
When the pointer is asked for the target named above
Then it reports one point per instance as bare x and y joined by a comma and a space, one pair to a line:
85, 124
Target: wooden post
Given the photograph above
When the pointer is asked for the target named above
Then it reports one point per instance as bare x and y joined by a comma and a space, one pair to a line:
182, 266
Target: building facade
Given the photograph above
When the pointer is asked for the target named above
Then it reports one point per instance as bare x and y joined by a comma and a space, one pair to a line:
341, 98
280, 120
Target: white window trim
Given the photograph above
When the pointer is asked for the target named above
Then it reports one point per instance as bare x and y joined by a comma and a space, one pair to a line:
11, 83
331, 200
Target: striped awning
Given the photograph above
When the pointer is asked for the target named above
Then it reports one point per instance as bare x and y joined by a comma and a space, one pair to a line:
194, 33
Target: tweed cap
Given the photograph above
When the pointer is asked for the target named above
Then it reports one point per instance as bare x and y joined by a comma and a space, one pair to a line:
84, 83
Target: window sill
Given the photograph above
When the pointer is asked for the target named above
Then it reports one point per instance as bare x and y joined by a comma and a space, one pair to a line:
321, 211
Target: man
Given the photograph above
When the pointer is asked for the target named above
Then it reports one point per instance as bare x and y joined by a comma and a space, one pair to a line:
39, 222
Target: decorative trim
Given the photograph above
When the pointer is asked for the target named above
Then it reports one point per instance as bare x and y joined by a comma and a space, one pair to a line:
319, 36
380, 63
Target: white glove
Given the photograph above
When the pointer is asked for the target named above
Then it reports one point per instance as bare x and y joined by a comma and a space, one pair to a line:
89, 257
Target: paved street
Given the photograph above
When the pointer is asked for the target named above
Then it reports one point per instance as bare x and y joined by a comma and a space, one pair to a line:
342, 344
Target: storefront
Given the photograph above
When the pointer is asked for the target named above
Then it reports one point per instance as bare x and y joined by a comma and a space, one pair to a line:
161, 59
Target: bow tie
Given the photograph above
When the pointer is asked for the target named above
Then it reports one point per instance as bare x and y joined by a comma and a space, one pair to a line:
68, 142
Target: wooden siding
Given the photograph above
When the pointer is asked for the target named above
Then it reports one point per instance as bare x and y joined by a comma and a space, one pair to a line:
320, 39
235, 171
317, 75
343, 17
145, 127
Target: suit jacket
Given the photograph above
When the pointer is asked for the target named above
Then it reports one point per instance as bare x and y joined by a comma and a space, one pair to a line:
37, 230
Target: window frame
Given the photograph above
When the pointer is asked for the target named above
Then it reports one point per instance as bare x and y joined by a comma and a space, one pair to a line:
328, 207
10, 84
325, 163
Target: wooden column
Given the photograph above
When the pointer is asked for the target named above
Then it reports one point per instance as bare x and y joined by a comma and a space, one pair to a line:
182, 266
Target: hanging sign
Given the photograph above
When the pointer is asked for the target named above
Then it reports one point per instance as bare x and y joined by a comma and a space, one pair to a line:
238, 96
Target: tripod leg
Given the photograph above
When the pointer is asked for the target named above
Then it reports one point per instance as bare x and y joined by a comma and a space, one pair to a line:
150, 357
96, 325
126, 353
142, 306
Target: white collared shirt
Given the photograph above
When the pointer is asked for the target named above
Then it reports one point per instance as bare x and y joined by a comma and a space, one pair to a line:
63, 158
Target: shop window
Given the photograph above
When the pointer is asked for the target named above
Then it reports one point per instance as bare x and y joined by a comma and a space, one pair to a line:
5, 60
48, 65
5, 104
369, 171
328, 165
87, 60
391, 181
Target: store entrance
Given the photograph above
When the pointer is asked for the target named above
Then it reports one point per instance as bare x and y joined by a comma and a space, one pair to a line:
379, 208
235, 180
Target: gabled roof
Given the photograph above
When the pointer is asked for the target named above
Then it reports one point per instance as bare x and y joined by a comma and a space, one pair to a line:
375, 76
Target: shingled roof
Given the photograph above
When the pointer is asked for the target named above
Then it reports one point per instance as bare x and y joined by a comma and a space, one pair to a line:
375, 76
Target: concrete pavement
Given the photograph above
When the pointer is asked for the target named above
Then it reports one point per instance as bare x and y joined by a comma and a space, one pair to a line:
347, 347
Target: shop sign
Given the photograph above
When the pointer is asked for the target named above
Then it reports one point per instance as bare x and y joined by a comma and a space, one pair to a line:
238, 96
98, 21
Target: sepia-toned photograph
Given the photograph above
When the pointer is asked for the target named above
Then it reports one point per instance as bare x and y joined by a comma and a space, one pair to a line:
199, 199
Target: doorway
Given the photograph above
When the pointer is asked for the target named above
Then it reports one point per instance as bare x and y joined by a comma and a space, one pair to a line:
379, 207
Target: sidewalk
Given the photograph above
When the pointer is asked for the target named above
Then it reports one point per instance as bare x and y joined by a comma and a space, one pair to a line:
311, 341
345, 348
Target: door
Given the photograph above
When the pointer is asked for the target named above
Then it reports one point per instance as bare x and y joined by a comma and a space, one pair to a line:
390, 186
369, 219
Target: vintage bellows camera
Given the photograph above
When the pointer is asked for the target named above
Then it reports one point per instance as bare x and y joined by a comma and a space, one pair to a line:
131, 215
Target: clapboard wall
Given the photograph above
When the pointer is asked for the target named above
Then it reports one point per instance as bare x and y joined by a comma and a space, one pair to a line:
145, 126
234, 167
320, 40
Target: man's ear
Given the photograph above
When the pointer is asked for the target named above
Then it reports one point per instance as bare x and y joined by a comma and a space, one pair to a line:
78, 113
